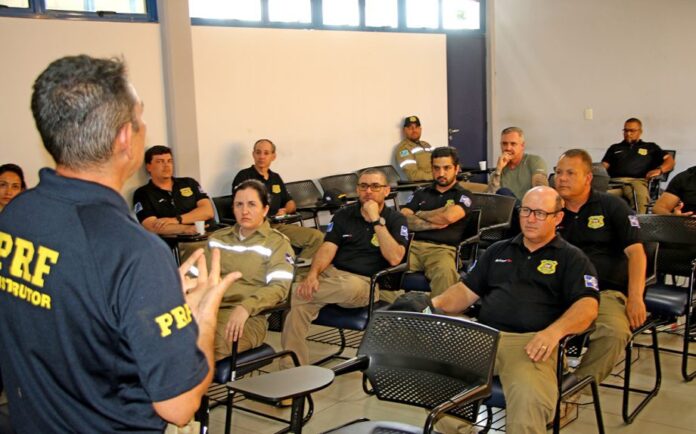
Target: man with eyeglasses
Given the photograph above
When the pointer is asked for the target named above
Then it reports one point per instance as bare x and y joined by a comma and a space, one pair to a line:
633, 162
306, 240
535, 288
413, 154
362, 239
607, 230
436, 214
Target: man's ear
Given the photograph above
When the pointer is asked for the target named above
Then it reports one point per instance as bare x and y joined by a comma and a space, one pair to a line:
124, 139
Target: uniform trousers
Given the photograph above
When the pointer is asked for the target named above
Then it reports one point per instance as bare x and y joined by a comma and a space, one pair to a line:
335, 286
308, 240
252, 336
608, 341
640, 185
530, 388
437, 261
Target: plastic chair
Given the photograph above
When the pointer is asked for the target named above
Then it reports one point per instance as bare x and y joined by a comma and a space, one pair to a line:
654, 185
223, 206
496, 216
345, 183
440, 363
307, 197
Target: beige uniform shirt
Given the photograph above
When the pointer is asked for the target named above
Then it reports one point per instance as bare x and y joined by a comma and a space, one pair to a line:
265, 260
414, 159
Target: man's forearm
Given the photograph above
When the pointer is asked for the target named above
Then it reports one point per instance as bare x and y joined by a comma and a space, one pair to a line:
322, 259
456, 299
576, 319
391, 250
202, 212
417, 224
637, 264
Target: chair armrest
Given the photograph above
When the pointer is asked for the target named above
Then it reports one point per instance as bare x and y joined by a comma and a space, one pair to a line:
358, 363
471, 394
504, 225
277, 355
375, 278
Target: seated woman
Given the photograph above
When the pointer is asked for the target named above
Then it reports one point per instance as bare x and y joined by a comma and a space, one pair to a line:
11, 183
264, 256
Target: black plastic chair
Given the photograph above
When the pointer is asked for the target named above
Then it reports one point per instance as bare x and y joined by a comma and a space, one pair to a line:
223, 206
496, 216
676, 257
654, 185
467, 252
443, 364
345, 183
308, 199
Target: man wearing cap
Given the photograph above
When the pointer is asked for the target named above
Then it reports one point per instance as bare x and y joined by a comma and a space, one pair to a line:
168, 205
436, 214
413, 154
307, 240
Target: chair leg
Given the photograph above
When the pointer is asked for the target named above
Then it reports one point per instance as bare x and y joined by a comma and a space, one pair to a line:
688, 376
597, 407
228, 411
202, 414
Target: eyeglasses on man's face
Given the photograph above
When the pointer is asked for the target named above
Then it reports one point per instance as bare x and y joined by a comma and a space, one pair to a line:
539, 214
630, 130
373, 187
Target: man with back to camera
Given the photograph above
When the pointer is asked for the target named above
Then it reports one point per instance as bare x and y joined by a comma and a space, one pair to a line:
680, 196
362, 239
607, 230
168, 205
103, 338
307, 240
413, 154
516, 171
436, 215
535, 288
633, 162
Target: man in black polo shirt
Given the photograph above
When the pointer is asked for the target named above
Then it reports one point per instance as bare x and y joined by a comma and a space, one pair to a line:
362, 239
680, 196
436, 214
634, 162
607, 230
167, 205
535, 288
307, 240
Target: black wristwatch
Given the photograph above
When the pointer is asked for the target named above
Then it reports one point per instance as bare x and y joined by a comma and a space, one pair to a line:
179, 219
379, 222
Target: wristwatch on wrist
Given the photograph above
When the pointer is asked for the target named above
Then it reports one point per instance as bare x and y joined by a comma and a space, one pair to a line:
379, 222
179, 219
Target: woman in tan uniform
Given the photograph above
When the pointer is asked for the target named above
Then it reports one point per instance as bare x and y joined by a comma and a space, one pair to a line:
265, 259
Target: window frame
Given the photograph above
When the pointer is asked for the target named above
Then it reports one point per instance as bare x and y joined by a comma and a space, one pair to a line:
38, 9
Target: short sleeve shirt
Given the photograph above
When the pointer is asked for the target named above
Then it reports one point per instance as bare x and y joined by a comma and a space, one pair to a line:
602, 228
522, 291
634, 160
152, 201
429, 198
684, 187
274, 184
92, 310
358, 246
519, 179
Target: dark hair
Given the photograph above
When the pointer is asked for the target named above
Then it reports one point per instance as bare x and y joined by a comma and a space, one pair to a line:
582, 155
9, 167
265, 140
156, 150
635, 120
254, 185
79, 105
443, 152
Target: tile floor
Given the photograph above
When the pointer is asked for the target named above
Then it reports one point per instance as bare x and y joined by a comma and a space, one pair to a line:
672, 411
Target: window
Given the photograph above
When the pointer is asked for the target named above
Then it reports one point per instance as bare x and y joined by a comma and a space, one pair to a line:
245, 10
120, 6
16, 3
381, 13
290, 11
461, 14
422, 14
341, 12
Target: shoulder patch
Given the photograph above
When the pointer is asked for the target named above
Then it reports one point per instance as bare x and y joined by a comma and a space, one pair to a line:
591, 282
465, 200
200, 189
547, 266
410, 198
138, 207
404, 153
595, 221
634, 221
288, 259
330, 227
404, 231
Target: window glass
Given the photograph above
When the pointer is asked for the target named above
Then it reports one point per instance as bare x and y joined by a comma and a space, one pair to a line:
247, 10
120, 6
341, 12
422, 14
290, 11
16, 3
461, 14
381, 13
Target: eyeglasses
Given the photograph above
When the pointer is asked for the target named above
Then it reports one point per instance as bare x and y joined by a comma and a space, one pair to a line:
540, 214
630, 130
373, 187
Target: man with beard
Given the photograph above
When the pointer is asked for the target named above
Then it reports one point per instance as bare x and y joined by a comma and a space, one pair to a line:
413, 154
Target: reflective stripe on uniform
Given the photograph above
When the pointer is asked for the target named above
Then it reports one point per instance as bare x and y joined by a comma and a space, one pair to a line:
279, 275
406, 163
263, 251
417, 149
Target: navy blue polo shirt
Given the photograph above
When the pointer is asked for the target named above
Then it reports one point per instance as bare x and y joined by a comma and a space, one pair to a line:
279, 195
684, 187
93, 325
522, 291
602, 228
429, 198
152, 201
633, 160
358, 247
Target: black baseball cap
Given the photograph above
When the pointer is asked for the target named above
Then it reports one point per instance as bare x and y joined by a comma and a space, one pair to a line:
411, 120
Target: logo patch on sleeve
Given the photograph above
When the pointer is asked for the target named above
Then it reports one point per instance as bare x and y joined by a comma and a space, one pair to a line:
404, 231
275, 189
634, 221
547, 266
410, 198
288, 259
186, 192
465, 200
591, 282
138, 207
330, 227
595, 221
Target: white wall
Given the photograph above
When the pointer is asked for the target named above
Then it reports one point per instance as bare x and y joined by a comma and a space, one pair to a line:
622, 58
332, 101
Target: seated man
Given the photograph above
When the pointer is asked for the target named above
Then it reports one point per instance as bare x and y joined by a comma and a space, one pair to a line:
307, 240
168, 205
680, 196
413, 154
516, 171
362, 238
634, 162
535, 288
607, 230
436, 214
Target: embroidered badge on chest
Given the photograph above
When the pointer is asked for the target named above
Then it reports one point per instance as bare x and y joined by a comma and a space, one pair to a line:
275, 189
375, 240
642, 151
186, 192
404, 153
595, 221
546, 266
449, 202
